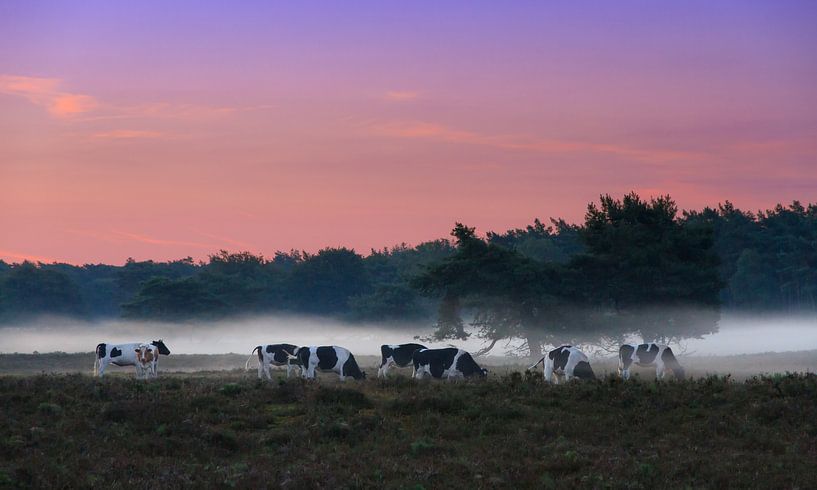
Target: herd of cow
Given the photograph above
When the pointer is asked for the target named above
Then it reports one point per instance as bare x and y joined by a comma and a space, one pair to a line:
565, 362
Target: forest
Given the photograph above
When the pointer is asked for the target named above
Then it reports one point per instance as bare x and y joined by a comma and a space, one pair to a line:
634, 266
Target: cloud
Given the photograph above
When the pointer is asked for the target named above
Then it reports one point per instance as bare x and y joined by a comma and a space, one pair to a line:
158, 241
127, 134
438, 132
45, 92
400, 95
17, 257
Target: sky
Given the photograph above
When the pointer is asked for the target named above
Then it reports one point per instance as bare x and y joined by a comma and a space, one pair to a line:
161, 130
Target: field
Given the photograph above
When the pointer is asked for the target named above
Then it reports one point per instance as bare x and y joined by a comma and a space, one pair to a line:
227, 429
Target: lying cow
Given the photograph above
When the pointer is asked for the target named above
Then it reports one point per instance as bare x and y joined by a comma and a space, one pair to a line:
565, 361
396, 355
328, 358
126, 355
647, 355
445, 363
273, 355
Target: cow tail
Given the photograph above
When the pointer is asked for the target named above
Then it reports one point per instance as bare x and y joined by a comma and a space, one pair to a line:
671, 362
252, 354
537, 363
96, 360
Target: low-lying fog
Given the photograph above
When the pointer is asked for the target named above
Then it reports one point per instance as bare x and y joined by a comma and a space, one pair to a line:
738, 334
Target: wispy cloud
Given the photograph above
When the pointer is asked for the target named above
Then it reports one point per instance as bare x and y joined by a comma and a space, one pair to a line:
159, 241
127, 134
45, 92
439, 132
401, 95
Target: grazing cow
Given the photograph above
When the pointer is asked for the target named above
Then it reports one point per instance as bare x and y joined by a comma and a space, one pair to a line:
273, 355
328, 358
565, 361
445, 363
125, 355
398, 355
647, 355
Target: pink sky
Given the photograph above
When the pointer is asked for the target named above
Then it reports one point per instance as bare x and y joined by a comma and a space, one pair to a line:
145, 131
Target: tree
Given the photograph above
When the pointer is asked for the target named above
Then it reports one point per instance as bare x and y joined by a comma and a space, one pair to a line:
650, 270
29, 289
323, 283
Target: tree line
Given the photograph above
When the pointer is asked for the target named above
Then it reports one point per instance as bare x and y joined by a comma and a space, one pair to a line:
633, 266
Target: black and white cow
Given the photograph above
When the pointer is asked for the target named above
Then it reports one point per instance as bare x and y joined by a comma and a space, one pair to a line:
273, 355
448, 363
328, 358
565, 361
126, 355
648, 355
396, 355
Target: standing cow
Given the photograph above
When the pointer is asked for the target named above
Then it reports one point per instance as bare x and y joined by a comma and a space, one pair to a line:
273, 355
396, 355
328, 358
647, 355
147, 358
565, 361
448, 363
126, 355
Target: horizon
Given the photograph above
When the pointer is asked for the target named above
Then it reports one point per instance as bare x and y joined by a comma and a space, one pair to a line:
268, 255
164, 131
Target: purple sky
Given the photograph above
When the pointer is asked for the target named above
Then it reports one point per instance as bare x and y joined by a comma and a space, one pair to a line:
166, 129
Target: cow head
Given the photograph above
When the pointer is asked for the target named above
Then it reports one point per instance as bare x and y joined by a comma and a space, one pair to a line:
163, 350
483, 372
145, 354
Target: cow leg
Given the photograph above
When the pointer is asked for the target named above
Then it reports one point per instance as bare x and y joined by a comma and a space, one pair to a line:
289, 368
625, 373
660, 372
267, 372
101, 369
547, 371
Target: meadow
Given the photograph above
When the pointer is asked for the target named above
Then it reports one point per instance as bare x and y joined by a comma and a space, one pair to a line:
227, 429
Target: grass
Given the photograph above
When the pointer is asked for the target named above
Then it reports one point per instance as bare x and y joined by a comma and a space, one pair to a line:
228, 429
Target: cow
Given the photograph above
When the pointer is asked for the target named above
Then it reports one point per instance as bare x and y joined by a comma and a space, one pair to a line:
398, 355
328, 358
647, 355
273, 355
448, 363
565, 361
125, 355
147, 358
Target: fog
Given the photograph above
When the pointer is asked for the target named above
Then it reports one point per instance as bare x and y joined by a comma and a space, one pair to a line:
738, 334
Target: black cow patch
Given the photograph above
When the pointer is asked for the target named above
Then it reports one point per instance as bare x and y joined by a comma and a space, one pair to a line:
116, 352
101, 350
327, 357
468, 366
401, 354
646, 353
559, 357
583, 371
350, 368
625, 353
279, 352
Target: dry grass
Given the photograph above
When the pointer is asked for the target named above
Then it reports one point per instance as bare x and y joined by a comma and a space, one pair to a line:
226, 429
